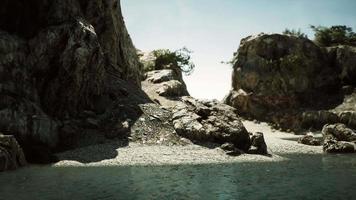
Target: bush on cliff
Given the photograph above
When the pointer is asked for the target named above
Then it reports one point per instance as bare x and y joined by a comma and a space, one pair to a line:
295, 33
167, 59
334, 35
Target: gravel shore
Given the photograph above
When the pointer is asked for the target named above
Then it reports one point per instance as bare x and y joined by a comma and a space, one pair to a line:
114, 154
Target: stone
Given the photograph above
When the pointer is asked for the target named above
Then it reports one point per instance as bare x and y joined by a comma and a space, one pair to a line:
258, 144
209, 121
333, 146
11, 154
172, 89
159, 76
340, 132
166, 80
338, 138
309, 140
230, 149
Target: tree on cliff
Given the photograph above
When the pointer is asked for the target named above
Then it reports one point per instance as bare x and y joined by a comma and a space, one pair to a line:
335, 35
167, 59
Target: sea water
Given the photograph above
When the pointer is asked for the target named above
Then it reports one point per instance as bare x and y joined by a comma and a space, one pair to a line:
299, 177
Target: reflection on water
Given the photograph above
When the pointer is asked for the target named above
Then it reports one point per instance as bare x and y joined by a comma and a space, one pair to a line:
302, 177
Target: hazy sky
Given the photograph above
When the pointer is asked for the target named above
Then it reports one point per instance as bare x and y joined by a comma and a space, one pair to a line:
213, 29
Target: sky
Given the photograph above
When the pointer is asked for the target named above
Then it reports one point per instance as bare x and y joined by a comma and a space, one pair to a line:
212, 29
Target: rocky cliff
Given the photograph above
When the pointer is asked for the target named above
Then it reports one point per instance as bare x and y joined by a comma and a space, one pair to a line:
61, 63
292, 82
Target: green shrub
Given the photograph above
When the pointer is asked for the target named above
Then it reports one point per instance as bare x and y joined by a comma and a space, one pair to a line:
179, 59
335, 35
295, 33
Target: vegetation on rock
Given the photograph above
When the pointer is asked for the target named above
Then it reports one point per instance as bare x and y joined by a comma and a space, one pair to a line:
334, 35
166, 59
295, 33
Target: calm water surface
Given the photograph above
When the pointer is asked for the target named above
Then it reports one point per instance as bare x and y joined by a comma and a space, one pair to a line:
301, 177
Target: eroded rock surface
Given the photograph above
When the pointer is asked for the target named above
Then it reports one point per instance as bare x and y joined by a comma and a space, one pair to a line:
292, 82
163, 84
11, 154
309, 140
200, 121
210, 121
258, 144
338, 138
68, 71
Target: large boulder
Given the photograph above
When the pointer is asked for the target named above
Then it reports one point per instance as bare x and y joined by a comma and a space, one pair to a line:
275, 72
167, 82
11, 154
338, 138
210, 121
60, 60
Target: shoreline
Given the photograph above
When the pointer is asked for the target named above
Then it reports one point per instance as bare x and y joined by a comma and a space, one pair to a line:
279, 143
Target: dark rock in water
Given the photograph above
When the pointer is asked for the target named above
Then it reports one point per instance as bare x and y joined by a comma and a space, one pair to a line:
309, 140
334, 146
339, 139
11, 154
258, 144
339, 132
209, 121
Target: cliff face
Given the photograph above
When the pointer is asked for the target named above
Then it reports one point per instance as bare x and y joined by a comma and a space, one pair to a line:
289, 80
60, 60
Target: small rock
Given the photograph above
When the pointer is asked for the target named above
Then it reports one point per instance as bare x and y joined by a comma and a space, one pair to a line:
258, 144
309, 140
230, 149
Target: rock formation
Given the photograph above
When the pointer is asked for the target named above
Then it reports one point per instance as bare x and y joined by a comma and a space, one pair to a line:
11, 154
209, 121
309, 140
66, 67
200, 121
339, 139
162, 83
258, 144
292, 82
